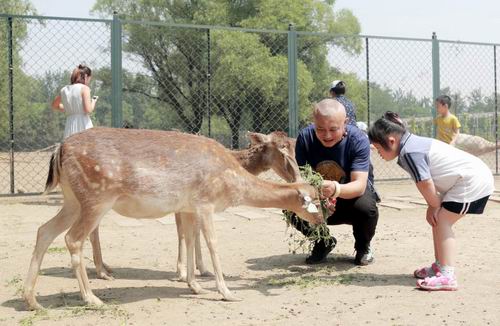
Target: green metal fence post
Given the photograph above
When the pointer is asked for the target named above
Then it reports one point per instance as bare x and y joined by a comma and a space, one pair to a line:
436, 87
116, 72
496, 104
11, 101
367, 80
293, 119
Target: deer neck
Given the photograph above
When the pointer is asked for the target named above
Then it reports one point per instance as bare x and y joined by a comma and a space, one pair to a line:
261, 193
251, 159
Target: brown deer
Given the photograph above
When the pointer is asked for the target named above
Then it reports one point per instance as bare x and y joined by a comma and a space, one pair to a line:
148, 174
275, 151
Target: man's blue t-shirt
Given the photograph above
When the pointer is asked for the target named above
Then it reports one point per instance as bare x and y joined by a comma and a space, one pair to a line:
352, 153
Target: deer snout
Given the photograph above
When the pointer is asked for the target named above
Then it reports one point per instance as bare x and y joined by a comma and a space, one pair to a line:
316, 219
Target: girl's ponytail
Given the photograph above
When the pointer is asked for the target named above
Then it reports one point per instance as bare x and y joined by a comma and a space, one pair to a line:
389, 124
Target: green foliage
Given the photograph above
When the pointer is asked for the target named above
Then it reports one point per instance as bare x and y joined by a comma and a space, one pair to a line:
22, 85
248, 72
318, 232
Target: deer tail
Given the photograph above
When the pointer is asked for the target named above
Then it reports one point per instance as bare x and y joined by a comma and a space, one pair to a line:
54, 170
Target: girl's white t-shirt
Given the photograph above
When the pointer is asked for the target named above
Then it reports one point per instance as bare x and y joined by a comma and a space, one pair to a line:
458, 176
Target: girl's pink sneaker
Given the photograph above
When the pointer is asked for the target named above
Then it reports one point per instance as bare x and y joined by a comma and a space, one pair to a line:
424, 272
439, 282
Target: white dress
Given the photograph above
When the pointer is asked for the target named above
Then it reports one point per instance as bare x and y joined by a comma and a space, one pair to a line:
76, 119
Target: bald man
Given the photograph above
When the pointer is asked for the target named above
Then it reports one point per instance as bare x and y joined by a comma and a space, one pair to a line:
341, 153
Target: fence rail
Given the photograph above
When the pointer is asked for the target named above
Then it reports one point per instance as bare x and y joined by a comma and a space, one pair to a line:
222, 81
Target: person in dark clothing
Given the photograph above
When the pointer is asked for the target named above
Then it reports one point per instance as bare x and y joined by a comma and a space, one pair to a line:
337, 91
341, 154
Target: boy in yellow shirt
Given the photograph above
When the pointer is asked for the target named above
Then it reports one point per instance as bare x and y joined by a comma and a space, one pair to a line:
448, 126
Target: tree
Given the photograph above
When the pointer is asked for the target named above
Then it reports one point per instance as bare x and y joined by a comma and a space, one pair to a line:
248, 71
19, 33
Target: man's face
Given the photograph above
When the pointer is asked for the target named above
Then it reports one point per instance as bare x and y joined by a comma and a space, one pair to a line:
330, 129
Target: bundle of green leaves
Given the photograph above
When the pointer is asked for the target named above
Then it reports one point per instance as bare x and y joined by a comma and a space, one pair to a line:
318, 232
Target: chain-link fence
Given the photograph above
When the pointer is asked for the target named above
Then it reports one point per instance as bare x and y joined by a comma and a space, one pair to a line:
221, 82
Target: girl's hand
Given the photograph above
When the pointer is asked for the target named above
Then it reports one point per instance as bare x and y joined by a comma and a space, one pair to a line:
431, 215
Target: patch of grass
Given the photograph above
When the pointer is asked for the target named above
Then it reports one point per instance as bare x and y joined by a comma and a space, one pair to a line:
112, 310
311, 281
56, 250
36, 316
15, 282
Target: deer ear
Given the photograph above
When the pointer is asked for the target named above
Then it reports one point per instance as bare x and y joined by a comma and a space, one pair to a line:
257, 138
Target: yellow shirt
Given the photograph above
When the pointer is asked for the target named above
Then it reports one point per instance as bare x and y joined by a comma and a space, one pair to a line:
446, 127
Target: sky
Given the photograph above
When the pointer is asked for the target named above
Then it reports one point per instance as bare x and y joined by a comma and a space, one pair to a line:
455, 20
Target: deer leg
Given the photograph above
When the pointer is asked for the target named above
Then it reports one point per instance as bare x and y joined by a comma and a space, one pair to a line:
45, 236
181, 262
207, 226
189, 229
102, 270
75, 238
181, 256
204, 272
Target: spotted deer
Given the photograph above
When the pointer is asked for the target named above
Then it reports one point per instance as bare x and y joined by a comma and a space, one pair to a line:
274, 151
148, 174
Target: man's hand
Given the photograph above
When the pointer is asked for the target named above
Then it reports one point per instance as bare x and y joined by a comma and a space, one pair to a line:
328, 188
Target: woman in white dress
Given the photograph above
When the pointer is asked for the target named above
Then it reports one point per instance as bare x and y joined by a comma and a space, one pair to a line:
76, 102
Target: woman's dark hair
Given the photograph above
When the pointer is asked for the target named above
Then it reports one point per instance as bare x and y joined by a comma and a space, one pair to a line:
390, 123
339, 89
79, 73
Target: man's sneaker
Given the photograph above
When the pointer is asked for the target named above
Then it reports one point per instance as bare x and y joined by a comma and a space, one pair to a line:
320, 251
364, 258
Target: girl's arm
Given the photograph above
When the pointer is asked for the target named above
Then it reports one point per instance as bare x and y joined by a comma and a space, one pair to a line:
57, 105
427, 189
88, 103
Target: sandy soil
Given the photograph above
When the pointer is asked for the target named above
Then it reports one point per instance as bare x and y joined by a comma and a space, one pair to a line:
277, 288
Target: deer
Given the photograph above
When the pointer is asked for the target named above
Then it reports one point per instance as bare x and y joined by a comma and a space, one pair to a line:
474, 145
148, 174
274, 151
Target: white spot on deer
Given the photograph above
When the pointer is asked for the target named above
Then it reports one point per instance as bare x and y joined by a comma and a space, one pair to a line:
97, 168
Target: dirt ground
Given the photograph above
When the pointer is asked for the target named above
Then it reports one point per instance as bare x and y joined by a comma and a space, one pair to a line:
277, 287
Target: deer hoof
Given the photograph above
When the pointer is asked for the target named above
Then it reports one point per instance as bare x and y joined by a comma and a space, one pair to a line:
181, 277
105, 276
196, 288
32, 304
107, 268
231, 297
206, 274
93, 300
